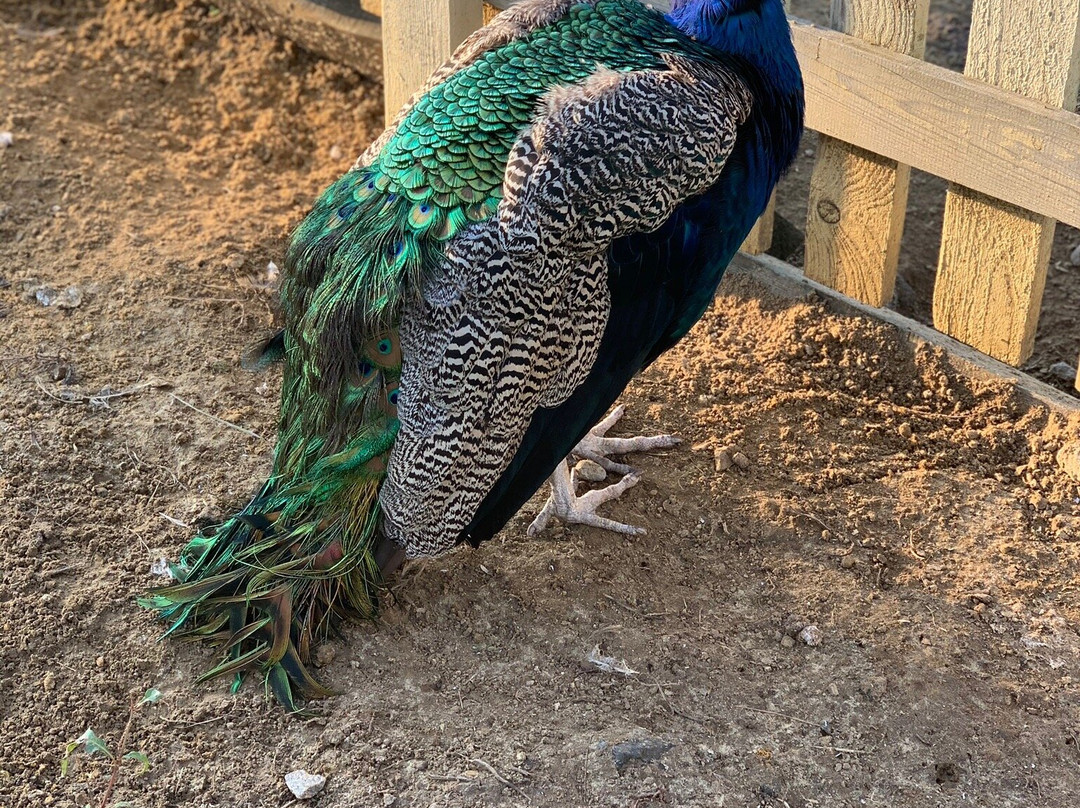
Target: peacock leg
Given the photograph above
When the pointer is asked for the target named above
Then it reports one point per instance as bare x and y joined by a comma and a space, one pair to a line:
574, 510
596, 446
388, 557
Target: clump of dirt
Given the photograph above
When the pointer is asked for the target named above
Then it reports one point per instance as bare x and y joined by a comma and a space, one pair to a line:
919, 521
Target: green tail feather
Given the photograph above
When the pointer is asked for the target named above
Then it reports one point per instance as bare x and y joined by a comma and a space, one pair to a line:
271, 582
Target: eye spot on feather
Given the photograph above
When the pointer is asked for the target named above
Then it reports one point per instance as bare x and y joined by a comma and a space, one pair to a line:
390, 399
365, 191
421, 215
366, 369
384, 347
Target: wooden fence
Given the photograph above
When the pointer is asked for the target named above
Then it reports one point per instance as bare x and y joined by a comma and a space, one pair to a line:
1003, 134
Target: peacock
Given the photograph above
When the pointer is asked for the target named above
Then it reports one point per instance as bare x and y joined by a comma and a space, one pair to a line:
548, 215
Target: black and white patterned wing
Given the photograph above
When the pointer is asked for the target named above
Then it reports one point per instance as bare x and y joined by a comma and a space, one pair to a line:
513, 320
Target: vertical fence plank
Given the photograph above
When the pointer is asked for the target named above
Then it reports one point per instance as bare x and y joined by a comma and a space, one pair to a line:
760, 238
418, 36
994, 256
855, 216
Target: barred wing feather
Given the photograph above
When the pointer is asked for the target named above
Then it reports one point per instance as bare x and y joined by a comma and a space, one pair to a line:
512, 319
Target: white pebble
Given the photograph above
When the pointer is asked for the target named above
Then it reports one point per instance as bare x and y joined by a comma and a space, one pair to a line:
811, 635
1074, 256
304, 786
6, 139
590, 471
336, 153
161, 568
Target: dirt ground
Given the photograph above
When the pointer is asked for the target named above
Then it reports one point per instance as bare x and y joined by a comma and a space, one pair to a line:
921, 522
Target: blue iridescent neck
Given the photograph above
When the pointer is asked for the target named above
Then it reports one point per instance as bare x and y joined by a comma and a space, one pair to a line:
751, 29
757, 33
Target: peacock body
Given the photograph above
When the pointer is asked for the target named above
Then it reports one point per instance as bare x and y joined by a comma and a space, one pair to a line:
548, 215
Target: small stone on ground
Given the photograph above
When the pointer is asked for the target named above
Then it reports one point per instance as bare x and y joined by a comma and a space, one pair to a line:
304, 786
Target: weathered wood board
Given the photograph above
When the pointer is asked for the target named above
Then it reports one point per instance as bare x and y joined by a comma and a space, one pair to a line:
855, 215
418, 36
994, 255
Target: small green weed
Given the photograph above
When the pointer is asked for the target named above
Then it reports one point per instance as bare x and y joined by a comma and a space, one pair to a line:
90, 744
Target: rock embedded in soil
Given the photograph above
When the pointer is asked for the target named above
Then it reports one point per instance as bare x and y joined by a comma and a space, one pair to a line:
643, 751
722, 460
1068, 458
304, 786
811, 635
590, 471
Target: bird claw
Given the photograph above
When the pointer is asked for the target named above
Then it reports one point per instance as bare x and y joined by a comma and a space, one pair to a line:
596, 446
564, 502
574, 510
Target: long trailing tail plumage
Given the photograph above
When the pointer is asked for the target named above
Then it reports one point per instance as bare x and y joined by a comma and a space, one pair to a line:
277, 577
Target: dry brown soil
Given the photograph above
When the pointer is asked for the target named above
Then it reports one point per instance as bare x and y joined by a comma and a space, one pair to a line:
918, 519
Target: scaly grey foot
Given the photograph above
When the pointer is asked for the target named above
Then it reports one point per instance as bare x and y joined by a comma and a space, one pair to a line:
574, 510
596, 446
564, 502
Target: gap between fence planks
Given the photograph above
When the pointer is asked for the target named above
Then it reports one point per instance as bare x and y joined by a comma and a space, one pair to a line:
994, 256
855, 215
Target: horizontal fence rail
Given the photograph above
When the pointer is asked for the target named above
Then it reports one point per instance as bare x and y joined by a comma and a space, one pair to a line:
987, 139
